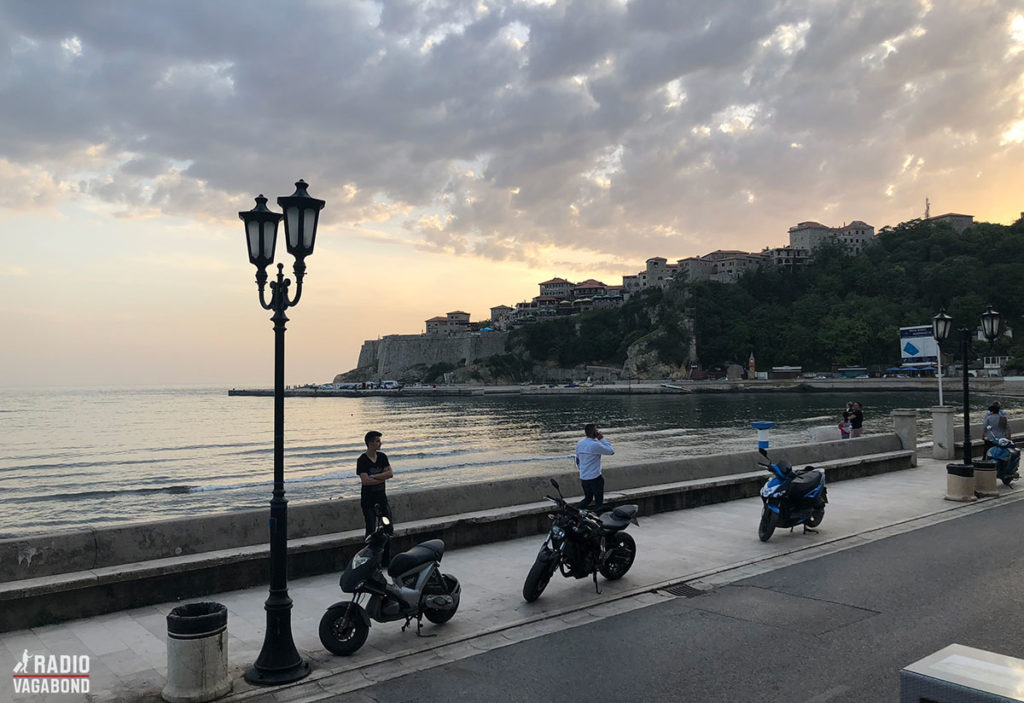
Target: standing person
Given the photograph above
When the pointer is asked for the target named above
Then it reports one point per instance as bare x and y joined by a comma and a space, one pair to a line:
373, 469
995, 426
856, 420
588, 460
844, 426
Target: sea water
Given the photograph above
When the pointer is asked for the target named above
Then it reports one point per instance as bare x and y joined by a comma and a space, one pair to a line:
73, 458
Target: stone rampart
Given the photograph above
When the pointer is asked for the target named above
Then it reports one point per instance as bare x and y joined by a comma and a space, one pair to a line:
368, 353
395, 353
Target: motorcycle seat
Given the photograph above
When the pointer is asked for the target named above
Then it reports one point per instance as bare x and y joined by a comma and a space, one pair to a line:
620, 517
804, 483
422, 553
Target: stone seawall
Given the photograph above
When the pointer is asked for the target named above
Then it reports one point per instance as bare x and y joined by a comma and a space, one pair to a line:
59, 553
395, 353
51, 578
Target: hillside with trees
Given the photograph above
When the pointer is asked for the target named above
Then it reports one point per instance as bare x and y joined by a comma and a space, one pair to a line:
840, 309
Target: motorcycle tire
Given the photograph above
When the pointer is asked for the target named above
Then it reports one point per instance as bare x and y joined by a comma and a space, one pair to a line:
342, 641
620, 557
539, 576
439, 617
766, 528
816, 517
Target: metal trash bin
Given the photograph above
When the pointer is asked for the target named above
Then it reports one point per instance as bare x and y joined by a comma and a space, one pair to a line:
197, 653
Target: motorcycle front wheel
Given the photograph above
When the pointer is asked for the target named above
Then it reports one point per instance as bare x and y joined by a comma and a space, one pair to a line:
769, 519
539, 576
339, 637
620, 557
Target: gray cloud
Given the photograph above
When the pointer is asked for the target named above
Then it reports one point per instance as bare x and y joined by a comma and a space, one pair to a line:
632, 129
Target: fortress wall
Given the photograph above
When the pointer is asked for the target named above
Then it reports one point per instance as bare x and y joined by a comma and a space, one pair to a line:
399, 352
368, 353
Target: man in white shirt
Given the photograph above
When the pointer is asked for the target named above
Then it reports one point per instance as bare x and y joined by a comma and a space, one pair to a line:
588, 460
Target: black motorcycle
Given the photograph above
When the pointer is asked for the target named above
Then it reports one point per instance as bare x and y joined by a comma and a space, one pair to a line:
418, 589
581, 544
791, 498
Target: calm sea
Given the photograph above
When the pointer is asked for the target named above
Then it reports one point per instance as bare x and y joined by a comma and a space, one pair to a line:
99, 457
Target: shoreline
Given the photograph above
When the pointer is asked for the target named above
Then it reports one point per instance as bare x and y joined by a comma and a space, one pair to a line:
664, 387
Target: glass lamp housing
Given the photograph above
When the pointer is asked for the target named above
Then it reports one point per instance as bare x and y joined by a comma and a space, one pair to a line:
260, 233
301, 216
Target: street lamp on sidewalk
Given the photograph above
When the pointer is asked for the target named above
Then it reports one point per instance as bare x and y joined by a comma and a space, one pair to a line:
279, 662
940, 330
941, 325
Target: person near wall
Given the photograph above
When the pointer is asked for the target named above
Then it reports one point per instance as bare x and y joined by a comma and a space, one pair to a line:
589, 451
995, 426
844, 424
374, 469
856, 420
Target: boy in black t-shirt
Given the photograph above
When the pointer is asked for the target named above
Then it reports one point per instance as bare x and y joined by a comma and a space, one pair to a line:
373, 469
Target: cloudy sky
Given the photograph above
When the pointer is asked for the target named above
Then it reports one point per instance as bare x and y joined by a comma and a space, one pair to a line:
467, 150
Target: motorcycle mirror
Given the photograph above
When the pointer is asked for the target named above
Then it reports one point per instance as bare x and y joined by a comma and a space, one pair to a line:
555, 484
763, 452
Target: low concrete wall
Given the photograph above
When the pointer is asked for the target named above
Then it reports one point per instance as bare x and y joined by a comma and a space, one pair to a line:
41, 601
40, 556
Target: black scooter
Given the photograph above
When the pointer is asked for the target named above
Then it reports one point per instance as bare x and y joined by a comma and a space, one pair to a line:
418, 589
791, 498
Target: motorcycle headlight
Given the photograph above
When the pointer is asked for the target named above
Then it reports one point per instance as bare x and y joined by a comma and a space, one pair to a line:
557, 532
359, 559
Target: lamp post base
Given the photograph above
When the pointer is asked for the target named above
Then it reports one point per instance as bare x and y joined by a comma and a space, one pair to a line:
960, 483
259, 676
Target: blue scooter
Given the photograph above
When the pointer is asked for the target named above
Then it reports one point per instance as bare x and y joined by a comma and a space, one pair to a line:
1007, 458
791, 498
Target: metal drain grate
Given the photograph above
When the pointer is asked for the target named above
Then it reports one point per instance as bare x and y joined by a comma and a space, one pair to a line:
685, 590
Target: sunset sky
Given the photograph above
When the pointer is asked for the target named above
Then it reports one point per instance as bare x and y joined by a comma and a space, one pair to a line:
466, 151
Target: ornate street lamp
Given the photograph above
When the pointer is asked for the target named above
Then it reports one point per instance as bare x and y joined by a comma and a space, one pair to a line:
941, 325
279, 662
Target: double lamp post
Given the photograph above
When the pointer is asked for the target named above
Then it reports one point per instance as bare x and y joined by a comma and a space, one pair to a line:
941, 326
279, 662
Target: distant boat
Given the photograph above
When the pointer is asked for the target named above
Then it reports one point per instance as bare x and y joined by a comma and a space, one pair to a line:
676, 388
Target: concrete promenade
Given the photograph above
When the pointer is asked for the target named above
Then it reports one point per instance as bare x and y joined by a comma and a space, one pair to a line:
701, 547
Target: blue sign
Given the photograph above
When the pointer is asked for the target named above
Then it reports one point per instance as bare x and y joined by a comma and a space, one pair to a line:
918, 345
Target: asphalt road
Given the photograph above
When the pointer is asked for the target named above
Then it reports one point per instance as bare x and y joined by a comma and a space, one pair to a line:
836, 629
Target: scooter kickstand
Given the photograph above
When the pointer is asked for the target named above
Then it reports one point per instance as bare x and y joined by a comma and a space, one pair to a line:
419, 625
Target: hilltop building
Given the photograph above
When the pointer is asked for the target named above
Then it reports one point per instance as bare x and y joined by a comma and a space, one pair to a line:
958, 222
811, 235
559, 296
557, 288
501, 315
456, 322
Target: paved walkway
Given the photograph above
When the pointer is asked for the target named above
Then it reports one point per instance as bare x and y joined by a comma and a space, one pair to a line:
702, 547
